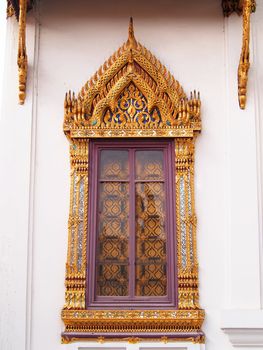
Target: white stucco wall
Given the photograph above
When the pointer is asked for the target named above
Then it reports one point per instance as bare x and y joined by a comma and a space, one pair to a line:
65, 47
2, 45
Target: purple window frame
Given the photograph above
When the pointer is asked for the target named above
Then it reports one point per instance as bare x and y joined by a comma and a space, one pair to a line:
138, 302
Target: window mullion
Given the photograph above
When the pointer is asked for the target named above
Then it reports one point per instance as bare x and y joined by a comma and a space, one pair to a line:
132, 223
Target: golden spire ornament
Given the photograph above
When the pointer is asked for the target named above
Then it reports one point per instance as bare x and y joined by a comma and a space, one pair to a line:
132, 43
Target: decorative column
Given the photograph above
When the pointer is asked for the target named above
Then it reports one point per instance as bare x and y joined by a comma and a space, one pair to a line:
77, 226
186, 225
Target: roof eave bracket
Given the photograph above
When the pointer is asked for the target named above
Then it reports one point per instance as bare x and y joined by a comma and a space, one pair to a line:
22, 56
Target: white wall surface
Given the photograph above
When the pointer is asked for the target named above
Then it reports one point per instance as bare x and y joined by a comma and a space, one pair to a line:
2, 44
67, 42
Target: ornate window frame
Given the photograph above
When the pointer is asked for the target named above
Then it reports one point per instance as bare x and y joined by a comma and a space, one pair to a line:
92, 114
151, 301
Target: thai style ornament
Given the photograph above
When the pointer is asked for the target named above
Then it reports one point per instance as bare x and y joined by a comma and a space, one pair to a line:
230, 6
244, 62
244, 7
10, 11
133, 96
19, 9
22, 56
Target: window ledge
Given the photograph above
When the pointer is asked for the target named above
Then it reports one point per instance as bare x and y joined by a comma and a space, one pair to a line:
243, 327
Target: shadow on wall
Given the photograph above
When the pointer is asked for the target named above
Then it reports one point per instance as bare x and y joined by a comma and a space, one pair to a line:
146, 9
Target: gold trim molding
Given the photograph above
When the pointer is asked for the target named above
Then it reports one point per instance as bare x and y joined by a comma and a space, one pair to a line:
100, 111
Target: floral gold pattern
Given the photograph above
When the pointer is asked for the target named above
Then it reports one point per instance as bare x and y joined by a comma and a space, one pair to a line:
133, 95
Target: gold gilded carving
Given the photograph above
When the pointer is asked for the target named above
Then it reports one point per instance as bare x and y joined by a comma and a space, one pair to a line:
9, 9
186, 225
132, 95
195, 340
118, 133
133, 340
244, 62
244, 7
67, 340
77, 225
135, 321
22, 56
131, 315
131, 74
230, 6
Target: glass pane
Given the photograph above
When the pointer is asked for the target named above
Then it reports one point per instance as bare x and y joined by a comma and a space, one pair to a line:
149, 165
112, 280
114, 165
151, 257
113, 235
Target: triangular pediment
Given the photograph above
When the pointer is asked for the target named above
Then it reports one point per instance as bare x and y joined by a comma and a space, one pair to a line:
132, 66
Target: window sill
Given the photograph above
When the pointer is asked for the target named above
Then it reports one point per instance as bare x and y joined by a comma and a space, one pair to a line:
123, 324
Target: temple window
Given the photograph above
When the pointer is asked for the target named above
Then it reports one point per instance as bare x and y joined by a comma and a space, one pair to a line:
132, 267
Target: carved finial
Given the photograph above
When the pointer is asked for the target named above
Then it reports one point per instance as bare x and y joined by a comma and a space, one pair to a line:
132, 43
